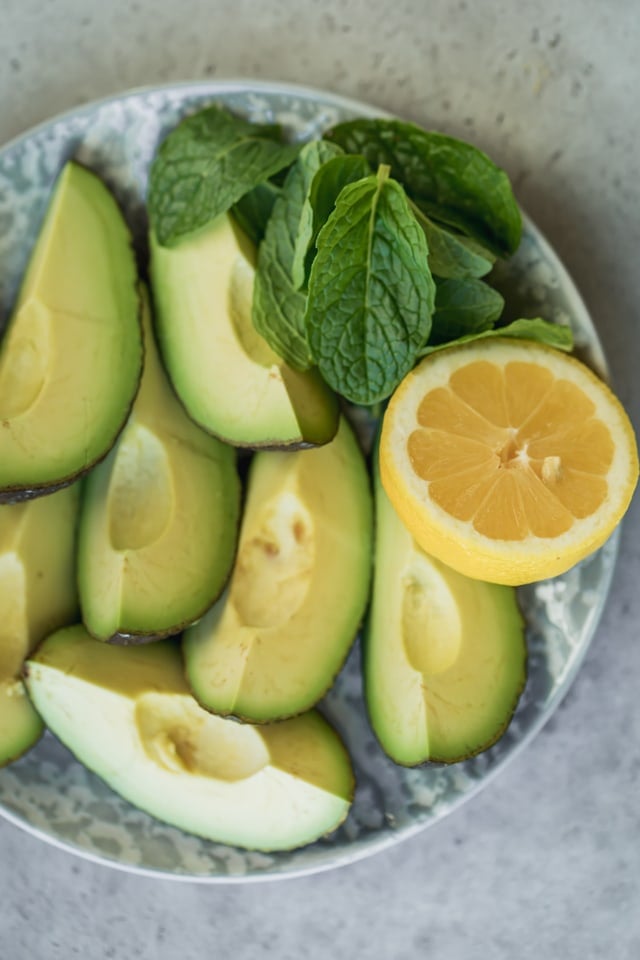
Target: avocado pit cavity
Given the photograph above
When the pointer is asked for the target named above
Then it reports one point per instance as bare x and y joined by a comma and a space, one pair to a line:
141, 496
431, 624
240, 299
181, 737
275, 564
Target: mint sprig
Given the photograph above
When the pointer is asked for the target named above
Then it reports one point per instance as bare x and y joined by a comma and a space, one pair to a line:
537, 329
279, 297
464, 306
358, 273
452, 181
207, 163
371, 294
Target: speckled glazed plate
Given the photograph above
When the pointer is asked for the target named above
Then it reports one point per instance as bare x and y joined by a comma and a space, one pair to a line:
49, 793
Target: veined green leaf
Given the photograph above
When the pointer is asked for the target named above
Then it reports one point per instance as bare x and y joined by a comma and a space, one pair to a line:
371, 294
463, 307
329, 181
205, 165
451, 181
279, 299
252, 211
300, 215
452, 255
553, 334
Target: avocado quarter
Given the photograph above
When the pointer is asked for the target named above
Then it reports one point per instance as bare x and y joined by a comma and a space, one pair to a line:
127, 714
226, 375
273, 644
444, 655
37, 595
159, 518
71, 356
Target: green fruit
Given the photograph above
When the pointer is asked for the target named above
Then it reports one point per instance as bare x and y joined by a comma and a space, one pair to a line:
445, 656
37, 595
159, 518
71, 356
127, 714
228, 378
273, 644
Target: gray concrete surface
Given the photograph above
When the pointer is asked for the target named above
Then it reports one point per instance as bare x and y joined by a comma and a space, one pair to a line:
546, 861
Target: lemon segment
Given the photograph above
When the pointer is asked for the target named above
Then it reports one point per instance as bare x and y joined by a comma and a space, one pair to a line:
509, 461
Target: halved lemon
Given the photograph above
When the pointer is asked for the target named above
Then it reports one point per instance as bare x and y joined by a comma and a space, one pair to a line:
507, 460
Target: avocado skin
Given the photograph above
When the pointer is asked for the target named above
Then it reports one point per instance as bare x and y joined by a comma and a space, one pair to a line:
18, 493
273, 445
133, 639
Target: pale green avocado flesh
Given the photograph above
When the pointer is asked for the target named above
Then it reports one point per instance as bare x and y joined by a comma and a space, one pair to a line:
20, 724
226, 375
159, 518
127, 714
445, 656
274, 642
71, 355
37, 595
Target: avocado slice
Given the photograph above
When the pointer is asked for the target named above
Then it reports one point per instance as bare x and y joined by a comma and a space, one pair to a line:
37, 595
444, 656
226, 375
71, 356
273, 644
159, 518
127, 714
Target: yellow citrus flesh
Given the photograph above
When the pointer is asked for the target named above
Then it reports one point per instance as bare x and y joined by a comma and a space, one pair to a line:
507, 460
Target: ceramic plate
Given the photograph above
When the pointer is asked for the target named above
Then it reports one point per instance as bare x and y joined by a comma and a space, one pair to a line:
47, 792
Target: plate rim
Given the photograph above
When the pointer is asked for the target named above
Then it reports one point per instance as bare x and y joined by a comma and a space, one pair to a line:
374, 843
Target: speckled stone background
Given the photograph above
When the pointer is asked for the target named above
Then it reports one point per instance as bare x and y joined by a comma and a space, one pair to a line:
546, 860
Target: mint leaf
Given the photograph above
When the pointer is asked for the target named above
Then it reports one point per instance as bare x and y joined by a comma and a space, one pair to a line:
300, 214
329, 181
205, 165
452, 255
371, 293
451, 181
278, 311
552, 334
464, 307
252, 211
279, 301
